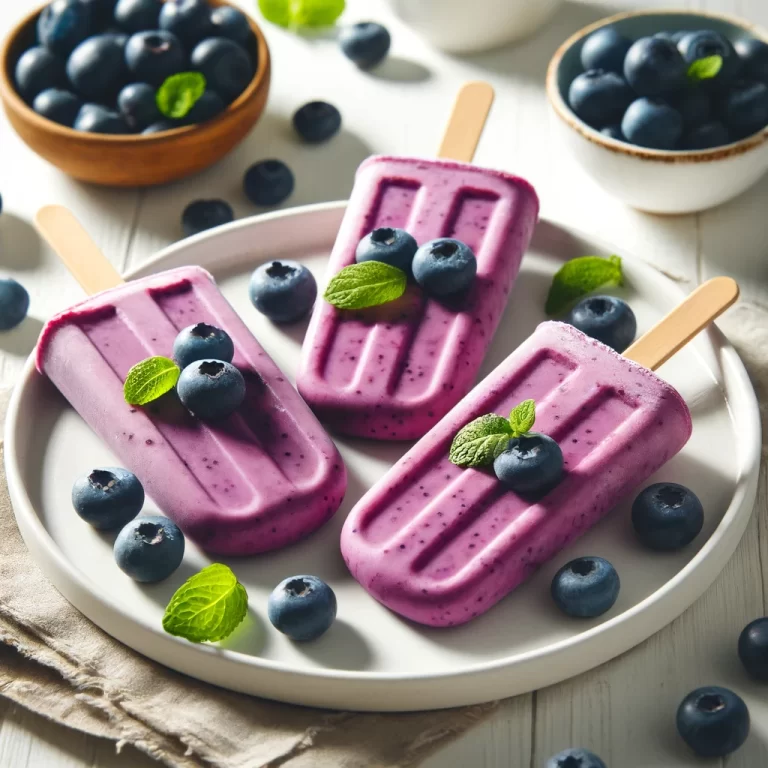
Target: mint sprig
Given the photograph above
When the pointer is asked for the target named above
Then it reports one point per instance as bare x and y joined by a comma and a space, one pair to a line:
208, 606
366, 285
302, 13
705, 69
150, 379
179, 93
580, 277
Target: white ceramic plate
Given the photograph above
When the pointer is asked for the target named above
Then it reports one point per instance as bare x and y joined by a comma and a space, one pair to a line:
371, 659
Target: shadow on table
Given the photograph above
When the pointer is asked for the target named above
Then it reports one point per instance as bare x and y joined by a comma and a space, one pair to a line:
20, 245
21, 340
399, 70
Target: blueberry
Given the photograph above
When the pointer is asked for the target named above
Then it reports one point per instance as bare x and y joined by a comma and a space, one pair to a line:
231, 23
205, 108
744, 108
317, 121
206, 214
189, 20
202, 342
531, 465
58, 105
654, 66
97, 68
268, 182
137, 15
753, 649
444, 267
108, 497
713, 721
211, 389
388, 245
366, 43
284, 291
101, 12
226, 66
37, 70
677, 36
1, 203
652, 123
14, 303
693, 104
706, 136
754, 58
62, 25
159, 127
575, 758
93, 118
707, 42
302, 607
149, 548
666, 34
613, 132
153, 56
137, 103
586, 587
599, 98
605, 49
667, 516
607, 319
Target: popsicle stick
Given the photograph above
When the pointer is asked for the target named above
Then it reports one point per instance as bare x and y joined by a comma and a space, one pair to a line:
684, 322
73, 245
465, 126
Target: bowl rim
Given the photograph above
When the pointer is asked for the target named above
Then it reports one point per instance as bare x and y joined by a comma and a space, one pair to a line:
566, 114
14, 100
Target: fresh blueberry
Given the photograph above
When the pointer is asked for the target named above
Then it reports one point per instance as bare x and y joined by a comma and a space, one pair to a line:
97, 68
666, 34
159, 127
200, 215
753, 649
189, 20
205, 108
706, 136
613, 132
531, 465
58, 105
284, 291
605, 49
302, 607
268, 182
575, 758
138, 15
652, 123
231, 23
444, 267
667, 516
101, 12
607, 319
202, 342
366, 43
137, 103
1, 203
153, 56
388, 245
149, 548
677, 36
754, 58
694, 104
586, 587
93, 118
599, 98
707, 42
317, 121
744, 108
654, 66
211, 389
37, 70
14, 303
62, 25
226, 66
108, 497
713, 721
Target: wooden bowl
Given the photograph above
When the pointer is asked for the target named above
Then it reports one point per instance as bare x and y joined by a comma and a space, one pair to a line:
131, 160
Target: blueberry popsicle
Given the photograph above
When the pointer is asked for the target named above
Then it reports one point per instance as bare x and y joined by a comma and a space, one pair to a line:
392, 372
441, 545
256, 481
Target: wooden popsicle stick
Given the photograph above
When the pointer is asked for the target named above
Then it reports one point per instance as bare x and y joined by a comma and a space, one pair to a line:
74, 246
671, 334
465, 126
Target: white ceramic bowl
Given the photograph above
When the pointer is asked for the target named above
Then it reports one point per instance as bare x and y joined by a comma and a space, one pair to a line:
463, 26
656, 181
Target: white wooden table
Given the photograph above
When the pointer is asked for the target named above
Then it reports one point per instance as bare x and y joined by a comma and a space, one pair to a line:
623, 710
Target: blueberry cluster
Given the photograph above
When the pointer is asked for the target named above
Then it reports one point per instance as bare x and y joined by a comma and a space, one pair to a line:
685, 90
97, 64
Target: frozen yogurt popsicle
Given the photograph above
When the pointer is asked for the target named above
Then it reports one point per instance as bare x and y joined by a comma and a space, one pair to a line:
392, 372
259, 480
440, 545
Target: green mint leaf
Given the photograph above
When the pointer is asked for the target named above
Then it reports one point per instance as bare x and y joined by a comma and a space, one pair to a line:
302, 13
580, 277
481, 441
366, 285
705, 69
150, 379
208, 606
523, 417
179, 93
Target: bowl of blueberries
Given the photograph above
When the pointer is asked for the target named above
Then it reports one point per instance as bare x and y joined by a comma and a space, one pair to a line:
134, 92
666, 110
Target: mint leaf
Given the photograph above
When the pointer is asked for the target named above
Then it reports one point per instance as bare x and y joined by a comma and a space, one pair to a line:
481, 441
208, 606
150, 379
302, 13
366, 285
179, 93
705, 69
523, 418
579, 277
